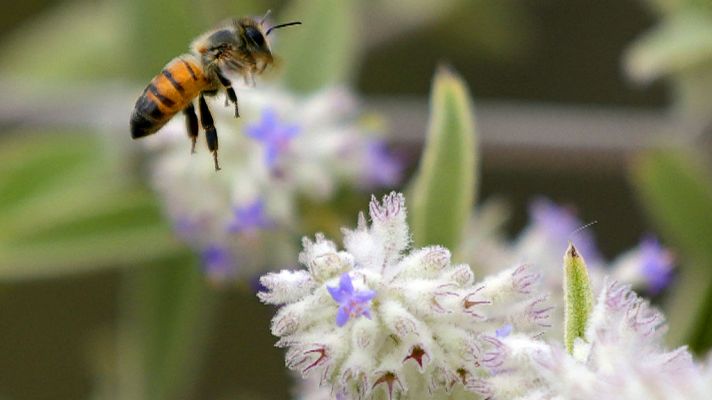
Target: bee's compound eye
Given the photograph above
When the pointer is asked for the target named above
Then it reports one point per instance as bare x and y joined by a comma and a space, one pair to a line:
255, 36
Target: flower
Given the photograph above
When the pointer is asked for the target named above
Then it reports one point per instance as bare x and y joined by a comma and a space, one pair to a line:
550, 230
217, 263
352, 303
656, 264
649, 266
269, 164
430, 328
504, 331
382, 167
274, 135
249, 218
621, 356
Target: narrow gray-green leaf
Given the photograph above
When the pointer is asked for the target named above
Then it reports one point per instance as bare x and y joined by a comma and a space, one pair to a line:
443, 192
676, 190
323, 49
166, 316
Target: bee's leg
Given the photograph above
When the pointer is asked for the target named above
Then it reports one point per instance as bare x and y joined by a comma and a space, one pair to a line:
230, 92
191, 122
211, 135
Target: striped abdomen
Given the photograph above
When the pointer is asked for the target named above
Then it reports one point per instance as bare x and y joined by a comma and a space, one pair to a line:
168, 93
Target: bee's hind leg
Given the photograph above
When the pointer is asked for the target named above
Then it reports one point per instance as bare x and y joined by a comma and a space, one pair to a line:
230, 92
211, 135
191, 123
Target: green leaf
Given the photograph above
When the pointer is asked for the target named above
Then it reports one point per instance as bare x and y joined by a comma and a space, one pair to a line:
92, 252
161, 30
676, 189
78, 41
66, 210
322, 50
578, 297
166, 318
677, 44
443, 191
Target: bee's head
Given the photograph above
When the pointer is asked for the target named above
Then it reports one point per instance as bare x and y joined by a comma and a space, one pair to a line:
254, 42
254, 37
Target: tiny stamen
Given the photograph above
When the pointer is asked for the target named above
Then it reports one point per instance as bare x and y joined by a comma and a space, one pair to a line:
579, 229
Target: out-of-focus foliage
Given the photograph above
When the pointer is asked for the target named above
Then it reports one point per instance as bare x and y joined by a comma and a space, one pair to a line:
680, 42
678, 48
65, 210
676, 189
160, 30
78, 41
443, 191
168, 316
322, 51
673, 6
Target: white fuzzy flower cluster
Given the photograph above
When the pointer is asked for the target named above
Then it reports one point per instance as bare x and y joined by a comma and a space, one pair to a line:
621, 357
381, 320
281, 149
648, 266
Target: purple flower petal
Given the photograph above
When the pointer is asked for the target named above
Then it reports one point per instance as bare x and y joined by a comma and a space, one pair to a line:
342, 316
249, 218
274, 135
382, 168
363, 296
337, 294
345, 283
504, 331
217, 262
352, 303
656, 264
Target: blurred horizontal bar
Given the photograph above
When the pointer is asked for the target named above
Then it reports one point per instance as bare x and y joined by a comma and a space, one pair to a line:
548, 135
510, 132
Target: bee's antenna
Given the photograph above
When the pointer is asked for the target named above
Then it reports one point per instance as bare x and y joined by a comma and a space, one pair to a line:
282, 26
262, 21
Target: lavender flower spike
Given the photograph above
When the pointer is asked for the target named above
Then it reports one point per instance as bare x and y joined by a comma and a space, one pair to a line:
274, 135
352, 303
428, 333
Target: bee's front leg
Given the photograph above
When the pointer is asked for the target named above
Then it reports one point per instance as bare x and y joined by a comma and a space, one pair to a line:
230, 91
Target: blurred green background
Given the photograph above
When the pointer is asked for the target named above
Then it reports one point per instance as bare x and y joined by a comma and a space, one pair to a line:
80, 233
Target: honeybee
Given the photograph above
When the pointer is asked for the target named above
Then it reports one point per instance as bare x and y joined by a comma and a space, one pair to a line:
236, 47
